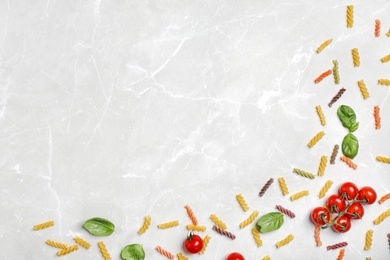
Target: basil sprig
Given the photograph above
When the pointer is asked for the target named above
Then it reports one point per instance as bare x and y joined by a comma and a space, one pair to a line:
99, 226
350, 145
270, 222
133, 252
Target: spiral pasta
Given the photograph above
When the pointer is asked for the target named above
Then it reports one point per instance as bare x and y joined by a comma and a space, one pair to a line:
224, 232
321, 168
218, 222
350, 15
285, 241
386, 59
44, 225
356, 57
382, 217
336, 73
363, 89
337, 97
165, 252
384, 198
368, 243
383, 159
304, 174
266, 186
82, 242
104, 251
256, 236
336, 246
242, 202
388, 34
316, 139
317, 235
321, 115
324, 45
68, 250
299, 195
206, 242
385, 82
334, 154
341, 254
377, 117
349, 162
250, 219
267, 257
283, 186
325, 189
191, 215
285, 211
56, 244
322, 76
180, 256
146, 224
196, 227
377, 28
170, 224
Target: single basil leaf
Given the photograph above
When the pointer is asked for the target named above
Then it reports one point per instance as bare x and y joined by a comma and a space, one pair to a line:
347, 116
350, 146
133, 252
354, 127
99, 226
270, 222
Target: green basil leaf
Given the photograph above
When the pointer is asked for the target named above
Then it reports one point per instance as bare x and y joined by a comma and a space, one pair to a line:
133, 252
350, 146
347, 117
270, 222
354, 127
99, 226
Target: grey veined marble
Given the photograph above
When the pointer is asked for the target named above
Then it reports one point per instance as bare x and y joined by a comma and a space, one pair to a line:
123, 109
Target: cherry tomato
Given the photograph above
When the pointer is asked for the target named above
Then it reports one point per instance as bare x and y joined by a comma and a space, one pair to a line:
193, 244
355, 211
235, 256
336, 203
342, 225
320, 216
367, 195
348, 190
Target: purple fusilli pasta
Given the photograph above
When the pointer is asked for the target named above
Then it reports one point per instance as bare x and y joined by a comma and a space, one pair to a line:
265, 187
224, 232
338, 245
285, 211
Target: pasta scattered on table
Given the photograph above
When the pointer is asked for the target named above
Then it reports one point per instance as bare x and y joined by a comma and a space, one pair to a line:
384, 198
146, 225
382, 217
191, 215
44, 225
285, 241
165, 252
256, 236
299, 195
316, 139
170, 224
363, 89
321, 168
250, 219
206, 242
285, 211
196, 227
377, 117
56, 244
341, 254
104, 251
180, 256
82, 242
334, 154
324, 45
336, 73
356, 57
304, 173
336, 246
325, 189
385, 82
68, 250
383, 159
242, 202
321, 115
224, 232
349, 162
322, 76
337, 96
265, 187
317, 235
218, 222
386, 59
368, 244
350, 16
283, 186
377, 28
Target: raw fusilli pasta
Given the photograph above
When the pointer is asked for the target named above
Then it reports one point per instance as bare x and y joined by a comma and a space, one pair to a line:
285, 241
56, 244
336, 73
285, 211
256, 236
384, 198
321, 168
267, 257
338, 245
180, 256
322, 76
224, 232
383, 159
316, 139
382, 217
356, 57
368, 243
206, 242
250, 219
377, 28
324, 45
349, 162
363, 89
82, 242
325, 189
68, 250
317, 235
242, 202
299, 195
218, 222
341, 254
191, 215
321, 115
334, 154
385, 82
104, 251
377, 117
146, 225
337, 97
168, 224
386, 58
283, 186
44, 225
304, 174
196, 227
165, 252
350, 16
265, 187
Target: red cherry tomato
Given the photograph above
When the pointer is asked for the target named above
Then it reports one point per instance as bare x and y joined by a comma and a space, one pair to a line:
348, 190
336, 203
320, 216
235, 256
342, 225
367, 195
355, 211
193, 244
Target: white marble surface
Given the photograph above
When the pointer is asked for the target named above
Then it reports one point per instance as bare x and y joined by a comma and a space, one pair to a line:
122, 109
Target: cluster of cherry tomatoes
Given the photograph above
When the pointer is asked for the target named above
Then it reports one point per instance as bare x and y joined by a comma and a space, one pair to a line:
343, 207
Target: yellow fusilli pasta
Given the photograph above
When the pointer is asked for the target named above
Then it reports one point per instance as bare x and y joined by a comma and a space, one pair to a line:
44, 225
56, 244
283, 186
324, 45
206, 242
336, 73
385, 82
321, 168
146, 225
267, 257
256, 236
218, 222
356, 57
299, 195
250, 219
315, 139
321, 115
383, 159
350, 15
285, 241
82, 242
382, 217
170, 224
180, 256
363, 89
368, 243
104, 251
196, 227
242, 202
68, 250
325, 189
386, 58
